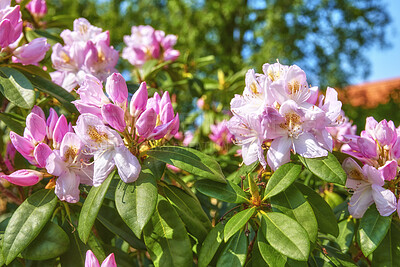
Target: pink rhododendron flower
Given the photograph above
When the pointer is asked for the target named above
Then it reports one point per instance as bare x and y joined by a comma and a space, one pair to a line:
376, 145
286, 113
220, 134
108, 150
145, 44
367, 184
32, 52
71, 166
91, 260
87, 50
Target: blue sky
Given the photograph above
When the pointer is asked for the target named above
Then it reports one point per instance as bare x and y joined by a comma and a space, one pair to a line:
385, 64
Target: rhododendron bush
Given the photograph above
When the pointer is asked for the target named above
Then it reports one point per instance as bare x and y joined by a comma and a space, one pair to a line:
104, 168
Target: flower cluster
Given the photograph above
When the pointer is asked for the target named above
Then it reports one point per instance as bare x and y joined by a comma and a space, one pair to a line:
107, 134
87, 50
280, 110
145, 44
378, 147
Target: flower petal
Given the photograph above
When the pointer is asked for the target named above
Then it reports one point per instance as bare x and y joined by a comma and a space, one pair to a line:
384, 199
127, 164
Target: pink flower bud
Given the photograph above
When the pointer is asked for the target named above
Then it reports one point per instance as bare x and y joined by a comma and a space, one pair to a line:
167, 113
51, 123
38, 8
31, 53
109, 261
10, 27
22, 145
146, 122
36, 126
116, 88
154, 103
60, 129
24, 177
114, 116
139, 100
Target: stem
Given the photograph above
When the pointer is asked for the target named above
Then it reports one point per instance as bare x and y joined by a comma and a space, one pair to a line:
10, 195
226, 213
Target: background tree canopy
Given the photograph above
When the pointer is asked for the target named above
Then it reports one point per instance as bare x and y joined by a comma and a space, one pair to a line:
327, 38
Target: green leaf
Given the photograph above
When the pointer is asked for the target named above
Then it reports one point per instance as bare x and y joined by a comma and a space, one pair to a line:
236, 222
335, 257
292, 203
190, 160
110, 218
91, 208
14, 122
27, 222
235, 251
156, 167
327, 168
95, 245
50, 243
269, 254
190, 211
31, 69
229, 192
284, 176
166, 238
52, 89
76, 253
323, 212
285, 235
34, 34
210, 245
388, 252
137, 201
16, 88
372, 230
346, 234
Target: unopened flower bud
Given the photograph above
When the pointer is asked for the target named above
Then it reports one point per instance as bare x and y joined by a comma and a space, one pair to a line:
24, 177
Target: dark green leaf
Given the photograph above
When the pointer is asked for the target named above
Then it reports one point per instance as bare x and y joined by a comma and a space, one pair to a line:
190, 211
236, 222
16, 88
91, 208
388, 251
156, 167
286, 235
52, 89
284, 176
51, 38
346, 234
229, 192
335, 257
32, 69
95, 246
76, 253
27, 222
292, 203
235, 251
327, 168
137, 201
269, 254
323, 212
372, 230
14, 122
110, 218
50, 243
190, 160
166, 238
210, 245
